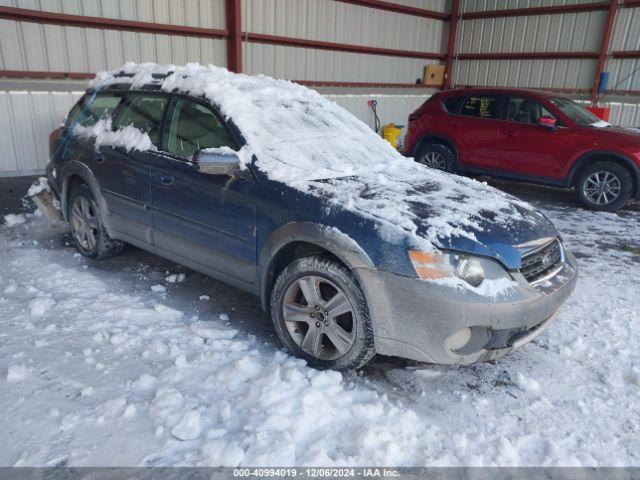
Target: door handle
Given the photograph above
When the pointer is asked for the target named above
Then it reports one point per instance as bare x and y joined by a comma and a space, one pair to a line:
165, 179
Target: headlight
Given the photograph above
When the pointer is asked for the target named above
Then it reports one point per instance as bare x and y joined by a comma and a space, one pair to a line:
472, 269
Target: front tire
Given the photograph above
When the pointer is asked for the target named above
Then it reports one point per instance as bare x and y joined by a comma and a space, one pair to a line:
320, 314
604, 186
437, 156
87, 229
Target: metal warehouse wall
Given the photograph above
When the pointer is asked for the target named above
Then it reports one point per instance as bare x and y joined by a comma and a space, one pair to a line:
30, 46
330, 21
538, 33
26, 121
626, 36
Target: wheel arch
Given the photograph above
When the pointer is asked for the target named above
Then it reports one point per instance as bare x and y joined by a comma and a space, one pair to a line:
436, 139
591, 158
296, 239
75, 173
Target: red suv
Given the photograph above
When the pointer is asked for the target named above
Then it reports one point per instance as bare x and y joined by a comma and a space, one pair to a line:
528, 136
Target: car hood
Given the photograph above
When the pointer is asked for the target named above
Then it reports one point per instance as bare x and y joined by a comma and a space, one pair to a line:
618, 134
448, 212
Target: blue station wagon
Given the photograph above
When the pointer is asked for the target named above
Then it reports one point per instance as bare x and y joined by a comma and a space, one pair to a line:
268, 186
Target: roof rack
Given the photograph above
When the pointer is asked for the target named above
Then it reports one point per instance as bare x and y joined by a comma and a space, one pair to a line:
155, 76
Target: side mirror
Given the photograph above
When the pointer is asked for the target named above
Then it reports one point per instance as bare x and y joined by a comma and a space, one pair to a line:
548, 122
217, 162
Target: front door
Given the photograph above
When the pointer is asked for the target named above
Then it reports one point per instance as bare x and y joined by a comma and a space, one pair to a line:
208, 219
529, 149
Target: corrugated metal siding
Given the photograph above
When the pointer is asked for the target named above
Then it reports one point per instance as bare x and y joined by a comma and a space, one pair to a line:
525, 73
27, 120
624, 114
322, 65
541, 33
626, 36
486, 5
332, 21
194, 13
30, 46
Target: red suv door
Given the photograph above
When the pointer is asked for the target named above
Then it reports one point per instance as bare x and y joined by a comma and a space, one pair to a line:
527, 148
475, 130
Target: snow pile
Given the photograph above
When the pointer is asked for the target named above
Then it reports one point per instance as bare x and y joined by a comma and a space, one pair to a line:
117, 379
300, 137
40, 185
128, 137
14, 219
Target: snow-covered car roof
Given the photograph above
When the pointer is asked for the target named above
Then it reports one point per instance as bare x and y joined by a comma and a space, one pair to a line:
300, 137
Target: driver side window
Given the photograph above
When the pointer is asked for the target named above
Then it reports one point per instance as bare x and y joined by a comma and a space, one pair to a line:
192, 127
526, 110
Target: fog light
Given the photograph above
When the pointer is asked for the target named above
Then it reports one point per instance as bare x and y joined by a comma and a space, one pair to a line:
459, 339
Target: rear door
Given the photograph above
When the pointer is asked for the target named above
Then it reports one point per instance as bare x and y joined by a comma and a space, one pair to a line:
125, 174
529, 149
208, 219
475, 129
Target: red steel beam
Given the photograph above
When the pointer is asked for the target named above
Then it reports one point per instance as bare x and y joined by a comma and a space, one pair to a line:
343, 47
31, 74
451, 46
631, 3
397, 8
526, 55
604, 48
524, 12
234, 40
51, 18
626, 54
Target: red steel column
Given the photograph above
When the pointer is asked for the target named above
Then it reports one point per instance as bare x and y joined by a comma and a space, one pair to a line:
234, 40
604, 47
451, 48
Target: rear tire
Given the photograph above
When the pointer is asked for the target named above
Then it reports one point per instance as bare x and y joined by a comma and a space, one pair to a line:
604, 186
320, 314
437, 156
87, 229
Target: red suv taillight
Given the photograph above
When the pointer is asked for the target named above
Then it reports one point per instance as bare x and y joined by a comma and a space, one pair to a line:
53, 136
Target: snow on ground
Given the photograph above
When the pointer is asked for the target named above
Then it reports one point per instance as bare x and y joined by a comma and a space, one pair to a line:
99, 366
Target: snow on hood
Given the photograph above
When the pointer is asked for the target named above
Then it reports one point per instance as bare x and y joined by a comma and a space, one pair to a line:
304, 140
600, 124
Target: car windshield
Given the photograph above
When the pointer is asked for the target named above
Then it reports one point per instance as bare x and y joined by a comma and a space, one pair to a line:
578, 115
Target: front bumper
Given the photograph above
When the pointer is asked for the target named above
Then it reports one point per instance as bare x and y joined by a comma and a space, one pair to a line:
423, 321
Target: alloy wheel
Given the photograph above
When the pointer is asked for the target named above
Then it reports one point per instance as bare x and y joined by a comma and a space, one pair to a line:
319, 317
84, 223
434, 160
602, 188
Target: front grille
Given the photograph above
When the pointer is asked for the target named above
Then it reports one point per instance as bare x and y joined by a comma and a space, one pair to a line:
542, 262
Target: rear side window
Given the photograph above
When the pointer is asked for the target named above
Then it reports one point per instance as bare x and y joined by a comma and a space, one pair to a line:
482, 106
452, 104
193, 127
143, 112
87, 112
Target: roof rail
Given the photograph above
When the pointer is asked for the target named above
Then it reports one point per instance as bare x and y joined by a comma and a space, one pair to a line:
156, 76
